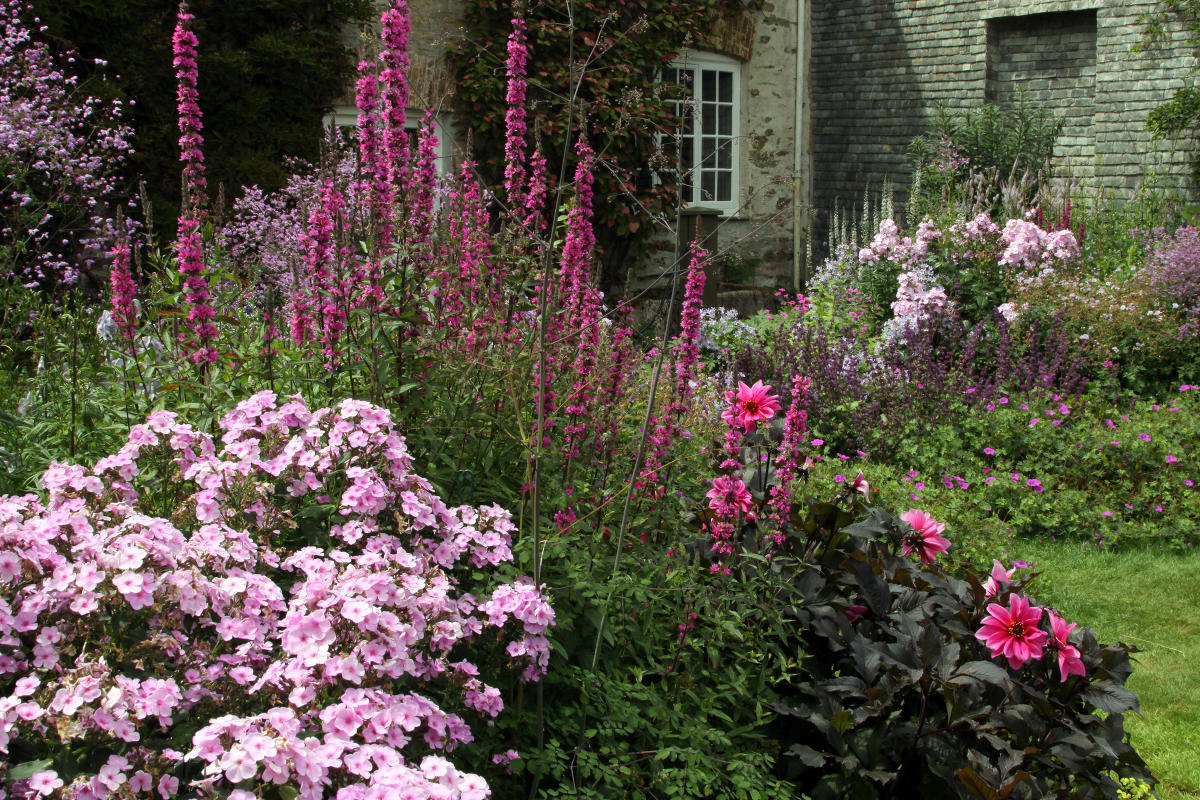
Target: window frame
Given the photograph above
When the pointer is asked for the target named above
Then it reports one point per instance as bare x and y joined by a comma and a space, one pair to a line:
345, 117
697, 62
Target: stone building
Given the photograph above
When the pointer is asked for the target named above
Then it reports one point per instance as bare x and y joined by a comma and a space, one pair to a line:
802, 104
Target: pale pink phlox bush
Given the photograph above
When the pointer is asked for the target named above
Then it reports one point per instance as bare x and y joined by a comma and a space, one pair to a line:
305, 665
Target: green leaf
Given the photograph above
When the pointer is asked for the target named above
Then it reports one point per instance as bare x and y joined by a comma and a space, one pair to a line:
24, 771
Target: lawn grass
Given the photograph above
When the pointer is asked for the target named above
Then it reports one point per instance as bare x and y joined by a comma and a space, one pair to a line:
1150, 600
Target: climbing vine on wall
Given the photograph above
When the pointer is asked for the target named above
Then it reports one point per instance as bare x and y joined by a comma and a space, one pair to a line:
593, 69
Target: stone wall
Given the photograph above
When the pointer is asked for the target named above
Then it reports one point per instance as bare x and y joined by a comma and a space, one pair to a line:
881, 67
761, 234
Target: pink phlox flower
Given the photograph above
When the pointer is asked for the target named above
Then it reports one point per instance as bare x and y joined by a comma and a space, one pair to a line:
1013, 632
926, 539
749, 405
1069, 662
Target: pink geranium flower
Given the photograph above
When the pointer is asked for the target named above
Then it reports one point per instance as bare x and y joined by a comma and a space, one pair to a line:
729, 496
749, 405
926, 539
1013, 632
1069, 662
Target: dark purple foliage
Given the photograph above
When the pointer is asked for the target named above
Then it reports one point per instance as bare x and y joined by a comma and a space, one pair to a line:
874, 400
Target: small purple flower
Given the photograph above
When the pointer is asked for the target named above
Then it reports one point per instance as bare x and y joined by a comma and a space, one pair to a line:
991, 451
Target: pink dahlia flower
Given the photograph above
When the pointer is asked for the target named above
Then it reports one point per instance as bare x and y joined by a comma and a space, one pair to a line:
998, 578
1069, 662
729, 496
926, 539
749, 404
861, 486
1013, 632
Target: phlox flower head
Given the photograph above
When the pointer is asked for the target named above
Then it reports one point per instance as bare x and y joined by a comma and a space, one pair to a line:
1069, 662
749, 405
926, 540
1013, 632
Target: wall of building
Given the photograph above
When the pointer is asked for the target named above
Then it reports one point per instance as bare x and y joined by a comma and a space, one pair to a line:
880, 68
761, 235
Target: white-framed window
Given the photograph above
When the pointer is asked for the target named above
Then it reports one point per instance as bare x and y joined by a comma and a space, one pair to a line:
345, 117
709, 133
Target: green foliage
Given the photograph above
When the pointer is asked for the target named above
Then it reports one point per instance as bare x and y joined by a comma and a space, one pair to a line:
269, 71
969, 161
1116, 475
593, 67
1179, 117
897, 698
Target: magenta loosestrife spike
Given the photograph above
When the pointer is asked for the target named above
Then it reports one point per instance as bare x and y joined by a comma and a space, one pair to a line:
539, 186
374, 185
189, 247
124, 290
395, 32
582, 299
187, 97
514, 117
787, 462
687, 355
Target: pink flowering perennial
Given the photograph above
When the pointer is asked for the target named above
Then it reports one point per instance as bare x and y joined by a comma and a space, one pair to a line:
274, 645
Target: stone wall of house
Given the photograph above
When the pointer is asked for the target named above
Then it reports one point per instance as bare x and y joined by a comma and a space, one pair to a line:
760, 237
881, 67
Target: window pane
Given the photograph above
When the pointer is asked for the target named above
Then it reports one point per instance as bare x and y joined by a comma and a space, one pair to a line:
708, 151
708, 90
708, 119
724, 187
707, 186
725, 80
724, 120
725, 156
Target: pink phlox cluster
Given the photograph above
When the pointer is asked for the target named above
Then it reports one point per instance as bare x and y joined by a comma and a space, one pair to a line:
919, 300
514, 117
308, 646
888, 245
972, 238
1028, 247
